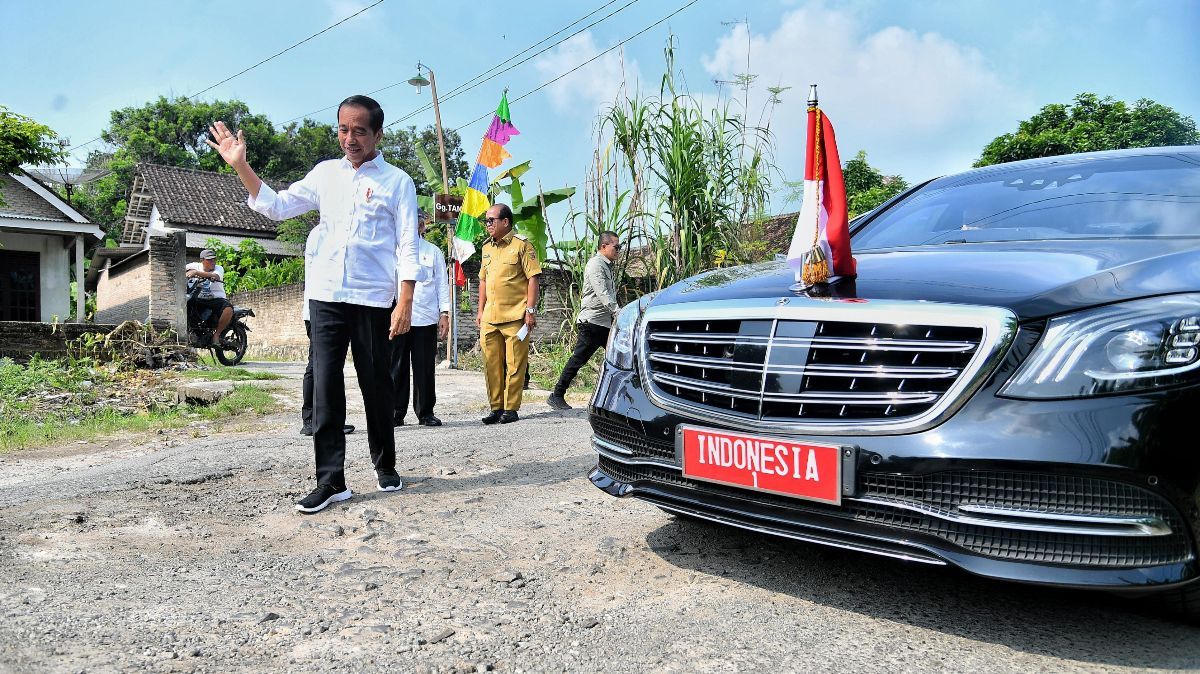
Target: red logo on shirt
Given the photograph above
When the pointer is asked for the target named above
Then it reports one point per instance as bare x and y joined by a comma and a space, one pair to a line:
368, 194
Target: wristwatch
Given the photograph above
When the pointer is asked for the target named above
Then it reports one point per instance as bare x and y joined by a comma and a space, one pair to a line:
531, 311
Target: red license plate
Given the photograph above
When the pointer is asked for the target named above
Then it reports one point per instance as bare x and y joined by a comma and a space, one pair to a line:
799, 469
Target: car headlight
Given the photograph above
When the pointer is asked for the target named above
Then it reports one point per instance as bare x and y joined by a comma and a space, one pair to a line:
622, 339
1121, 348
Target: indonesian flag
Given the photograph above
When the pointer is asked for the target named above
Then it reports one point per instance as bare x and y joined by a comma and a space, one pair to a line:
820, 246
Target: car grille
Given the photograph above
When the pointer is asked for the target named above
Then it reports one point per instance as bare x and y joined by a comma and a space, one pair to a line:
808, 371
948, 490
616, 429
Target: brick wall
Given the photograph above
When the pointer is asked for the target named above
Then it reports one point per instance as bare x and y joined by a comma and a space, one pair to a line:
167, 286
276, 329
20, 340
123, 291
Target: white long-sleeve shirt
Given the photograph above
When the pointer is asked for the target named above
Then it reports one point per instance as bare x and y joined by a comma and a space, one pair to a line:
432, 294
369, 229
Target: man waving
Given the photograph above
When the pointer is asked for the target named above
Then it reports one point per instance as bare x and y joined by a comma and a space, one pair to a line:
369, 216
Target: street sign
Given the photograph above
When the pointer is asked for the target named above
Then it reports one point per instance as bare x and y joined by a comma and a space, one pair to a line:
446, 207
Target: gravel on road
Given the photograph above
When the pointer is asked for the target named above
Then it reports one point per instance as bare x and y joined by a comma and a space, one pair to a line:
176, 553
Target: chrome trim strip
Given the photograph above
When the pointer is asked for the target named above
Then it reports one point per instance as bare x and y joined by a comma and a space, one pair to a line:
705, 386
876, 371
873, 343
838, 398
610, 451
999, 326
1101, 526
1147, 525
787, 533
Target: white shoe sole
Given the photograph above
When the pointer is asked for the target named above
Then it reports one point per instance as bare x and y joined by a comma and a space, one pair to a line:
340, 496
398, 488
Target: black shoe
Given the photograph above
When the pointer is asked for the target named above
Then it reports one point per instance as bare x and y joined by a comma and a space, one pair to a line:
557, 402
509, 416
347, 429
430, 421
397, 423
321, 497
390, 481
493, 417
306, 430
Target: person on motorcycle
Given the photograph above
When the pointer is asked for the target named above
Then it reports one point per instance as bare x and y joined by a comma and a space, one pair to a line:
208, 271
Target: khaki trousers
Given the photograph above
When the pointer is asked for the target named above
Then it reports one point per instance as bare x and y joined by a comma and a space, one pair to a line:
505, 360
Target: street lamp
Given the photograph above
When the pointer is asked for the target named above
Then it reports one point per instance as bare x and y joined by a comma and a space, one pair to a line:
419, 81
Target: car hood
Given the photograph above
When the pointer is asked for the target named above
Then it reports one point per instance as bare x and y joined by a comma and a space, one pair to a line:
1033, 279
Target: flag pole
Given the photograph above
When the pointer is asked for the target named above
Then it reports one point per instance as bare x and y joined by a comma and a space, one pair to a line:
812, 95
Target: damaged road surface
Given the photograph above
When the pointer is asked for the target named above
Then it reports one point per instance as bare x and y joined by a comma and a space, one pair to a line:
175, 553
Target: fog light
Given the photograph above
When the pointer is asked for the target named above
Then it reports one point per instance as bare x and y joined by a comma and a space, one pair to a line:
1133, 350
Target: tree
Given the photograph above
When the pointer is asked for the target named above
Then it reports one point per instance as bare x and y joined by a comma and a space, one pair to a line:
24, 141
866, 186
399, 148
1088, 124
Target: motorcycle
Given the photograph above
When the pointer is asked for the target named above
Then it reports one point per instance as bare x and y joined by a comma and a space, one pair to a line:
202, 321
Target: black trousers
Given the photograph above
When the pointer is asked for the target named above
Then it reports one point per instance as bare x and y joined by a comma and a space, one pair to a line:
415, 352
306, 411
334, 326
591, 337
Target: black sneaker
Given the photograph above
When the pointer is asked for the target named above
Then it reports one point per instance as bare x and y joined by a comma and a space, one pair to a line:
509, 416
556, 401
390, 481
430, 421
397, 422
347, 429
493, 417
321, 497
306, 430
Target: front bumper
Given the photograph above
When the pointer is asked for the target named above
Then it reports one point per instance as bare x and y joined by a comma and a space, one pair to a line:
987, 450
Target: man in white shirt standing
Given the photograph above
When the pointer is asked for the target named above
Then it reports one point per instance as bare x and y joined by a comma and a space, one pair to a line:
416, 351
369, 231
213, 274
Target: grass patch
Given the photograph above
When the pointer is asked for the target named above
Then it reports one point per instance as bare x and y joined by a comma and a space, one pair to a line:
50, 401
546, 363
230, 374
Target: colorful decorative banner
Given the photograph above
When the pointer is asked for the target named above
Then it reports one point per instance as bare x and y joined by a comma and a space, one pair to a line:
475, 201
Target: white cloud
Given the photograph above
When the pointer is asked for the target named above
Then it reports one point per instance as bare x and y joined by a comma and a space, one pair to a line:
920, 104
591, 87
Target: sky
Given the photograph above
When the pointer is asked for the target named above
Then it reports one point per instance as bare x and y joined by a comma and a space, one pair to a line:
920, 86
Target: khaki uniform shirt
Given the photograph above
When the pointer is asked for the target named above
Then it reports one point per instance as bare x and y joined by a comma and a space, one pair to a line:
507, 266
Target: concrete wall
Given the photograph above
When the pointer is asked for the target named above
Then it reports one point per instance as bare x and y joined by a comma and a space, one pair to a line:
55, 261
20, 340
123, 291
277, 329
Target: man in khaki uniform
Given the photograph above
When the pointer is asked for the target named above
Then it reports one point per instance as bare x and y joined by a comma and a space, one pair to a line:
508, 291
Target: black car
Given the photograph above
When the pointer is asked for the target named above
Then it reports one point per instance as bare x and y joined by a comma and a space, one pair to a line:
1005, 387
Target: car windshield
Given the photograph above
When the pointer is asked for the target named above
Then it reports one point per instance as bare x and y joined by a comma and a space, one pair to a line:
1121, 197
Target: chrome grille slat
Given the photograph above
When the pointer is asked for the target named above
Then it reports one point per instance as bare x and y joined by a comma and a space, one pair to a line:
813, 366
702, 385
828, 398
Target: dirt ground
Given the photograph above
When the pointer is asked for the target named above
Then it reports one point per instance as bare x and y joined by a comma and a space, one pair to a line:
181, 552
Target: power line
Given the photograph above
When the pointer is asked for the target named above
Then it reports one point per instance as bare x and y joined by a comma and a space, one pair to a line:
269, 58
280, 53
464, 88
508, 60
546, 84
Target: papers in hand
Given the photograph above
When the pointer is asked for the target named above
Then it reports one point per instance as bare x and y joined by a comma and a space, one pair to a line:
523, 332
